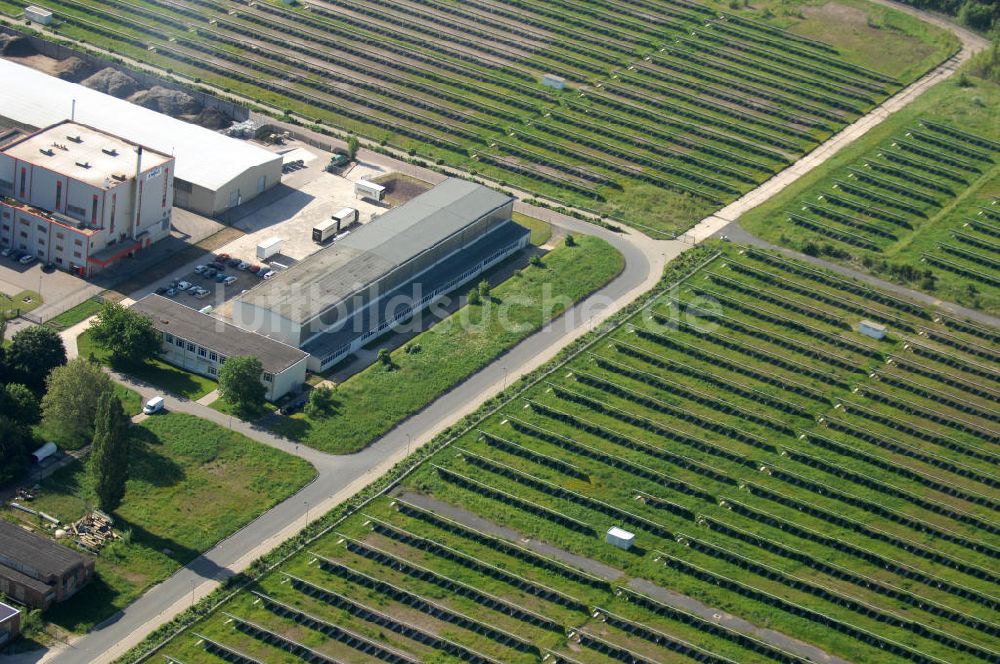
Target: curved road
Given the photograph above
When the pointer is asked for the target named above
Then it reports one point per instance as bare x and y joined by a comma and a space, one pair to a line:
339, 477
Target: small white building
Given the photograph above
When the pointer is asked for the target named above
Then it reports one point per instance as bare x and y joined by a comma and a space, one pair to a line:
38, 15
872, 329
366, 189
623, 539
553, 81
268, 248
200, 343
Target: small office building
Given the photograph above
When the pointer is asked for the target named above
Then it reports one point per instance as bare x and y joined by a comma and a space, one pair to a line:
38, 572
346, 295
201, 343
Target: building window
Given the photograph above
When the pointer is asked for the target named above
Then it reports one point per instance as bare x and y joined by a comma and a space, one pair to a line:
93, 211
179, 342
190, 346
60, 236
59, 260
222, 359
211, 370
78, 212
76, 254
202, 351
78, 242
166, 173
41, 242
24, 179
24, 234
213, 356
59, 196
268, 377
114, 206
59, 247
169, 338
41, 228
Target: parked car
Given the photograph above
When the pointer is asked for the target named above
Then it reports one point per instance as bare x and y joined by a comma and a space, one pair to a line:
215, 265
210, 273
49, 268
183, 285
200, 294
233, 262
173, 283
162, 290
220, 277
200, 268
6, 251
267, 275
222, 258
27, 259
243, 266
154, 405
229, 281
194, 288
254, 268
171, 292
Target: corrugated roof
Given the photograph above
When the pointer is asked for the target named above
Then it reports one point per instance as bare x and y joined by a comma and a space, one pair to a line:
32, 554
204, 157
332, 275
217, 335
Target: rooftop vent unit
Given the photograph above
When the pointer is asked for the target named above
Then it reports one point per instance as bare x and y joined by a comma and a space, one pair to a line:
120, 177
47, 151
83, 164
75, 139
111, 152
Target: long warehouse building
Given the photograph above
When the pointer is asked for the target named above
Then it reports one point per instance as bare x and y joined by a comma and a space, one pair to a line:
214, 172
367, 282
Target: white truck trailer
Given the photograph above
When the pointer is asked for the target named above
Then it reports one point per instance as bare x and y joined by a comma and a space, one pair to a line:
268, 248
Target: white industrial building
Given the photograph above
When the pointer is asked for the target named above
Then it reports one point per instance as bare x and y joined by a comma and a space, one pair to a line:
83, 199
200, 343
363, 285
214, 172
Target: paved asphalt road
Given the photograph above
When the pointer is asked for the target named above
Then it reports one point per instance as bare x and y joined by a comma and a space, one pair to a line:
339, 477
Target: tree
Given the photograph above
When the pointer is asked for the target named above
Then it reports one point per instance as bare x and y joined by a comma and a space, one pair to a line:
70, 402
484, 289
321, 402
126, 334
384, 358
19, 403
570, 240
239, 383
34, 352
15, 441
109, 454
352, 147
474, 298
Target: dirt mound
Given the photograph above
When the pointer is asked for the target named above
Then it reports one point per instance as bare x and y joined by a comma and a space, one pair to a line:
71, 69
170, 102
113, 82
15, 46
210, 118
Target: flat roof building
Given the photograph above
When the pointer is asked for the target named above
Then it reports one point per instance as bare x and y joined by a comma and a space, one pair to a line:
38, 572
201, 343
10, 623
82, 198
344, 295
214, 172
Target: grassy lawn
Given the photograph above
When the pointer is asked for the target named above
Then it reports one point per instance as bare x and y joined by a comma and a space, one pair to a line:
970, 107
267, 408
26, 300
874, 36
155, 372
191, 484
373, 401
541, 231
76, 314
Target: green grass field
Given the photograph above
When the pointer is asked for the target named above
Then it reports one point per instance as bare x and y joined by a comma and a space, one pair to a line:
191, 483
74, 315
25, 301
541, 231
670, 109
771, 463
373, 401
164, 376
970, 189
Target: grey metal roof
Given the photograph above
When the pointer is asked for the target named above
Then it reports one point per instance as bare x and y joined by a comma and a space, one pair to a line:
217, 335
33, 555
334, 274
7, 611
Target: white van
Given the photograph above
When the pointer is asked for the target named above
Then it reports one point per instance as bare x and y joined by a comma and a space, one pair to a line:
154, 405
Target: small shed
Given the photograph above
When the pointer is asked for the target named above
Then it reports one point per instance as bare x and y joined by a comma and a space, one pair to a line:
623, 539
38, 15
44, 452
553, 81
366, 189
872, 329
268, 248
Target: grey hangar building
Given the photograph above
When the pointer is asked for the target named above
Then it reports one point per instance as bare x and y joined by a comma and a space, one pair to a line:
373, 279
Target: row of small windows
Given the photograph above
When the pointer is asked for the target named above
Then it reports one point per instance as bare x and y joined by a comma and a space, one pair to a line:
203, 352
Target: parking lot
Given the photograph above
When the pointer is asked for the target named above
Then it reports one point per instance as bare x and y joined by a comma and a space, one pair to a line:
313, 196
